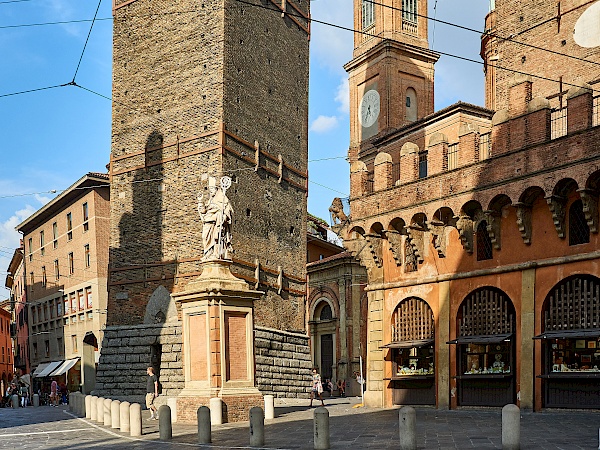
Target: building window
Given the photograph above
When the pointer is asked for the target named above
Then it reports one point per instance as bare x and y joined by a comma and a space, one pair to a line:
69, 226
452, 156
368, 14
67, 305
71, 264
47, 348
484, 243
81, 300
86, 216
86, 252
579, 230
59, 345
55, 235
56, 270
73, 302
88, 297
59, 307
423, 165
31, 279
409, 11
30, 245
42, 243
44, 280
326, 313
35, 350
74, 343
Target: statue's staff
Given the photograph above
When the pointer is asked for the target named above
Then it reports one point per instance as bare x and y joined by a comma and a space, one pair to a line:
225, 184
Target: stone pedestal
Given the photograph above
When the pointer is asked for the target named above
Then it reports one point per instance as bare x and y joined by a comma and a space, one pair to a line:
218, 343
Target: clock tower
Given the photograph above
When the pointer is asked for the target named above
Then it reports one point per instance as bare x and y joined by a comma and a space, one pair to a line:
391, 72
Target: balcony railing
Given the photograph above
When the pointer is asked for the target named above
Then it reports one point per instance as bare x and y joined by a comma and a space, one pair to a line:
409, 27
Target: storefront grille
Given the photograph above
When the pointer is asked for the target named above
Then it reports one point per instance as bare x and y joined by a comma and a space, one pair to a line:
412, 320
574, 304
486, 311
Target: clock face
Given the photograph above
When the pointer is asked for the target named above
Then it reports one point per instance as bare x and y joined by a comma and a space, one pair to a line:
368, 112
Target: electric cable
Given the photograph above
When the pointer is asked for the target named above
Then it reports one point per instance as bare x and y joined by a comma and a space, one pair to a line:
87, 40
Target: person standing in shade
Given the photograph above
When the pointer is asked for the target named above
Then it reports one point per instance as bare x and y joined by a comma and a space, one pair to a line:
151, 393
317, 387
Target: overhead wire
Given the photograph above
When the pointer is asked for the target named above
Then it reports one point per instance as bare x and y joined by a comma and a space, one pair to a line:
87, 40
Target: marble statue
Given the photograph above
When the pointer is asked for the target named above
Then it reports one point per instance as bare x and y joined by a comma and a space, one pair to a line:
217, 216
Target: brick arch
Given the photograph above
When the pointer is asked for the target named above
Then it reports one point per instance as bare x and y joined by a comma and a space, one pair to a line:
499, 202
323, 293
564, 187
531, 194
397, 224
376, 228
489, 302
444, 215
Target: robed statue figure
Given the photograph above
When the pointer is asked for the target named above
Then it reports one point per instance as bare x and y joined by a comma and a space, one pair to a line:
216, 215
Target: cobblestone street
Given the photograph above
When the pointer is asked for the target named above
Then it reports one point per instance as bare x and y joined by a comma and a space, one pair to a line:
357, 428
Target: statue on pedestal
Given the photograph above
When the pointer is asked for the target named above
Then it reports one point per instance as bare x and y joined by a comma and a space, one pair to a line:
217, 216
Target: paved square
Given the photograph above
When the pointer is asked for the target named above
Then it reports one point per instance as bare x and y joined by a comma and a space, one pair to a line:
357, 428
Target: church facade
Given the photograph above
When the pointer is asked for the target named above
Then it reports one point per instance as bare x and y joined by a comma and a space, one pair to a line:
478, 226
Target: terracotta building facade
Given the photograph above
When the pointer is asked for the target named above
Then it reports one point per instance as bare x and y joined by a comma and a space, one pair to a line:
15, 282
65, 263
478, 229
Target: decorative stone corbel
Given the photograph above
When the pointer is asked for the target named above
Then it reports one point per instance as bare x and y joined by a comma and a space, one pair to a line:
359, 248
464, 225
558, 208
493, 219
394, 239
524, 221
416, 238
257, 274
375, 247
589, 199
438, 230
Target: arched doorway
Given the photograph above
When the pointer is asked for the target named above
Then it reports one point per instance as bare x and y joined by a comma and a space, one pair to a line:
571, 344
485, 349
412, 353
324, 330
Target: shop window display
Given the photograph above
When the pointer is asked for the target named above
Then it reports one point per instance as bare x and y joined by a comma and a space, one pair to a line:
486, 359
413, 361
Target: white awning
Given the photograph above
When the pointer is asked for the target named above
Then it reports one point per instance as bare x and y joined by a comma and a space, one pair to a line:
49, 369
39, 369
64, 367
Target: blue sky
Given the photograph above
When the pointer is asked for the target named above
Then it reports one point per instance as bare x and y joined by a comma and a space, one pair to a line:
51, 138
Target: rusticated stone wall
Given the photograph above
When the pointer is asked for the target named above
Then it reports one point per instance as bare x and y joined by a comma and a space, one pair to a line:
282, 363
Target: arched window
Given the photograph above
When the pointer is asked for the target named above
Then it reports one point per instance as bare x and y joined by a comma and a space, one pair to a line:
411, 105
579, 231
484, 243
368, 14
326, 313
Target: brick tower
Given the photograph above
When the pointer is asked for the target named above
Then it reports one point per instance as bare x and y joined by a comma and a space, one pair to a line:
203, 89
391, 73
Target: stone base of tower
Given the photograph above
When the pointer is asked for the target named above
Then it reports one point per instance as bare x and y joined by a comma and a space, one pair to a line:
236, 408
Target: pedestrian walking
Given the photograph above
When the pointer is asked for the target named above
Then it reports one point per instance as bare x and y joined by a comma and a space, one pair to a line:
54, 393
341, 385
151, 393
317, 387
24, 393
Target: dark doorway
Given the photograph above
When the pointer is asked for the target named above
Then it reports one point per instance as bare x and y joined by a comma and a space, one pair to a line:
155, 357
326, 356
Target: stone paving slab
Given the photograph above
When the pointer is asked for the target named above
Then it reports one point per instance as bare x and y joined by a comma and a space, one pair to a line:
356, 428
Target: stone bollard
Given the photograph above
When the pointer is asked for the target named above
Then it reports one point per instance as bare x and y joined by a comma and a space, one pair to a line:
107, 419
203, 415
115, 414
172, 402
74, 402
135, 419
15, 401
100, 410
321, 428
81, 404
77, 407
94, 409
511, 427
36, 400
269, 407
165, 427
407, 426
88, 406
257, 427
71, 401
124, 417
216, 411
